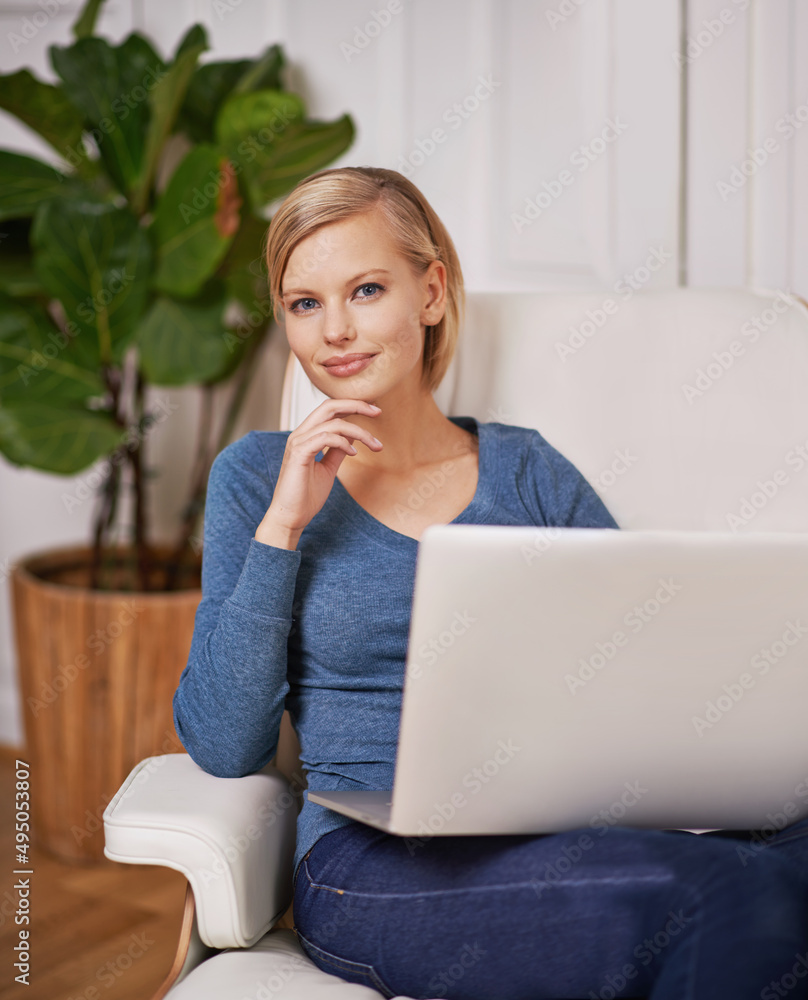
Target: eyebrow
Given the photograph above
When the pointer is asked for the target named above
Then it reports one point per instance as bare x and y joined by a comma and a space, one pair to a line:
350, 281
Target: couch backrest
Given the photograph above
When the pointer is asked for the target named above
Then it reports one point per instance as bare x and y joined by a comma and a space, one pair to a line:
685, 409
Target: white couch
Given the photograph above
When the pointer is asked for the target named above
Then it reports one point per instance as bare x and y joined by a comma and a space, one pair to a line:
686, 409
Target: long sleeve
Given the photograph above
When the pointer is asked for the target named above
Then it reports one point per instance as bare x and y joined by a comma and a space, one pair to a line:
230, 698
558, 493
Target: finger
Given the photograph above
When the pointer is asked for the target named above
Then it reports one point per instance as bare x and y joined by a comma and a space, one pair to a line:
353, 432
333, 459
306, 450
330, 408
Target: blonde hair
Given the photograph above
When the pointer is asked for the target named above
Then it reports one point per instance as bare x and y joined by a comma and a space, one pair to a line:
339, 193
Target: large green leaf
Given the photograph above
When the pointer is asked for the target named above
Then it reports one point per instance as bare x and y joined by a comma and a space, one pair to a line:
256, 120
214, 82
45, 109
111, 86
25, 183
210, 86
96, 260
17, 275
56, 439
264, 73
243, 269
195, 221
37, 360
300, 150
181, 342
247, 248
165, 101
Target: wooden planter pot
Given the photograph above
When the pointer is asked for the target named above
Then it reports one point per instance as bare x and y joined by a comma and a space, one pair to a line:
98, 671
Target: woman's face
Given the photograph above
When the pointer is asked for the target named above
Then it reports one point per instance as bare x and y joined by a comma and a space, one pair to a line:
350, 296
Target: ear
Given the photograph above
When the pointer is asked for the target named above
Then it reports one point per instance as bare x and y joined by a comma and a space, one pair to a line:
434, 300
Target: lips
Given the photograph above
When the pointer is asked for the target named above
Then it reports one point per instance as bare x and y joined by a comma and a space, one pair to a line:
347, 364
343, 359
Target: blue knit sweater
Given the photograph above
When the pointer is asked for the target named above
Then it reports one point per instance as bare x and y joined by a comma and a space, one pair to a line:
322, 630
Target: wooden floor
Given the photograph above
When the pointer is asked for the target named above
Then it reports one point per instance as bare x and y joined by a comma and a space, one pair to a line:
100, 932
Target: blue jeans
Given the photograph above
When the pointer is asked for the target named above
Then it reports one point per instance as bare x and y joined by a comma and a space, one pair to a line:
589, 913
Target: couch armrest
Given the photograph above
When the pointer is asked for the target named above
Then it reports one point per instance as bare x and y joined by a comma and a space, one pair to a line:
232, 838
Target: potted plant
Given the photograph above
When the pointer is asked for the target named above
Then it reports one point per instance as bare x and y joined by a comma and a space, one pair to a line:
136, 264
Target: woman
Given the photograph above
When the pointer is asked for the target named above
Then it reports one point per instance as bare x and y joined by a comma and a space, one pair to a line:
307, 585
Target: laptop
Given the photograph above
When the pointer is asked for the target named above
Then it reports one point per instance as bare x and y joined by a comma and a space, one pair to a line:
559, 678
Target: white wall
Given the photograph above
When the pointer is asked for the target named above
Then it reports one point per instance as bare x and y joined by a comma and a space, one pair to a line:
558, 73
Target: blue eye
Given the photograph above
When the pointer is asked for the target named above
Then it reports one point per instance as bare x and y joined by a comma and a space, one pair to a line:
370, 290
301, 302
374, 286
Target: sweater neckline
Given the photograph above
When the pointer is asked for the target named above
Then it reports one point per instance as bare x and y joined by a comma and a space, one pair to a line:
477, 508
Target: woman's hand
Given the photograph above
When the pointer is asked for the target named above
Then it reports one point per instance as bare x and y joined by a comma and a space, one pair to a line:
303, 483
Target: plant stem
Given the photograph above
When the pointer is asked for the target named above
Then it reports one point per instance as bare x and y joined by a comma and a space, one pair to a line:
112, 380
246, 370
140, 541
207, 452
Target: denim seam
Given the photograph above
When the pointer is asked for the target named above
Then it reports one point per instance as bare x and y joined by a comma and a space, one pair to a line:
347, 965
297, 872
481, 888
318, 885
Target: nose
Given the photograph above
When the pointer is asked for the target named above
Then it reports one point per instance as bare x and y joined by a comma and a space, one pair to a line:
338, 328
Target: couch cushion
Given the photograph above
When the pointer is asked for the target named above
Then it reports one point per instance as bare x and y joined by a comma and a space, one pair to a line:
275, 966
